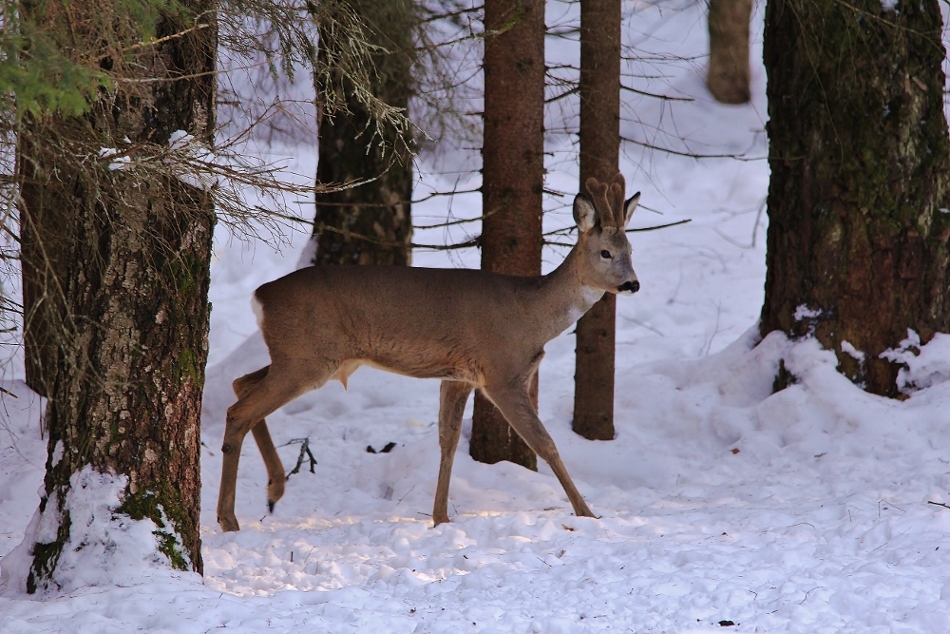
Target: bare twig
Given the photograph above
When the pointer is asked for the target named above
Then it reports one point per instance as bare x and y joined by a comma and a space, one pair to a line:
304, 450
663, 226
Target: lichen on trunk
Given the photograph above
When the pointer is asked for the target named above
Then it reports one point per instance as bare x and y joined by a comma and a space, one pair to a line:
131, 366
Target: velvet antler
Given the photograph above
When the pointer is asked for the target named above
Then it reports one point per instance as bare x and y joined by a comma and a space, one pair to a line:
608, 199
617, 189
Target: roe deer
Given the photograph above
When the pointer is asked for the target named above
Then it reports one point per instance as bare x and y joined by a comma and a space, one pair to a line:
472, 329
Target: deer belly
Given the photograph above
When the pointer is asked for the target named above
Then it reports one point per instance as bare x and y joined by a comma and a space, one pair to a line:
418, 368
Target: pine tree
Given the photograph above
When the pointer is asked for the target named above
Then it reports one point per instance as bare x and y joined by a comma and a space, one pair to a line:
512, 180
729, 73
117, 243
858, 230
599, 156
370, 223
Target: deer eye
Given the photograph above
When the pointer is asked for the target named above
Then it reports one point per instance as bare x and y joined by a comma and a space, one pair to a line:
606, 254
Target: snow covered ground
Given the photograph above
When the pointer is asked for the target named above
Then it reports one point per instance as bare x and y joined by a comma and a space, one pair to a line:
723, 507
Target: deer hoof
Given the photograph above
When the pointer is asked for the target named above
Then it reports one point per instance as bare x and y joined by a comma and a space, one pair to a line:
229, 524
275, 491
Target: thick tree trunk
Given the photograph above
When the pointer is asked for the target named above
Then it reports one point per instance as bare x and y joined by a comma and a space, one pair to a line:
371, 223
129, 318
728, 73
859, 153
512, 180
600, 150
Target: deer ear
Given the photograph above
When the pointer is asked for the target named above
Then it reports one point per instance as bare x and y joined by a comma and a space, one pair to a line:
584, 213
629, 207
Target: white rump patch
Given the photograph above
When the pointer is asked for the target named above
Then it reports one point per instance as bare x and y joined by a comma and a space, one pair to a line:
258, 309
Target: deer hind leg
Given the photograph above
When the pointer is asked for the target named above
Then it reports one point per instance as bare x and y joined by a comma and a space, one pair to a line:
260, 394
276, 476
452, 398
515, 404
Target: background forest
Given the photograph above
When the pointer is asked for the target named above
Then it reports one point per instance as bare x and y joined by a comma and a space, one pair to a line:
755, 480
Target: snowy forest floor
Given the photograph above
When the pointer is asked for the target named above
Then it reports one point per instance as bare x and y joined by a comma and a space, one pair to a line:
723, 506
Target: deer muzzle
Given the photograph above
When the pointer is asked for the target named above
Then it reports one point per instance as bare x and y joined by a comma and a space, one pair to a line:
630, 287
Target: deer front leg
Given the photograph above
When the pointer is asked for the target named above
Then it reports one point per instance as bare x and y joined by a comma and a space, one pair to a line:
513, 401
452, 398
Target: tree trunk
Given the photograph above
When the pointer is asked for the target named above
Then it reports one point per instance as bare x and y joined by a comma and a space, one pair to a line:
129, 311
600, 149
728, 74
512, 180
370, 223
859, 153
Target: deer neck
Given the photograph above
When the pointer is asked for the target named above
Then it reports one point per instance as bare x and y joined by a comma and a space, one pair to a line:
564, 297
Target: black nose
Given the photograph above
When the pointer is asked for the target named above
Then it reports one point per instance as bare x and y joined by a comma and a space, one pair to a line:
630, 287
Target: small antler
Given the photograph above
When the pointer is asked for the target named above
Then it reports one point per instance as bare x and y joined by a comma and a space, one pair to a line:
598, 193
608, 199
617, 189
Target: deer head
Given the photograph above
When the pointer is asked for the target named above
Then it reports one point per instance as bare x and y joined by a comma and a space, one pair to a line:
602, 218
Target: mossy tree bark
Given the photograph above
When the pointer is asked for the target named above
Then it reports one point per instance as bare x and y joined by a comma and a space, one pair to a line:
369, 223
126, 310
859, 153
600, 151
728, 76
512, 181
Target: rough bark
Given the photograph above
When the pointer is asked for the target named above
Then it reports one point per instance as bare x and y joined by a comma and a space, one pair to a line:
600, 149
859, 153
512, 180
129, 315
370, 223
729, 73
